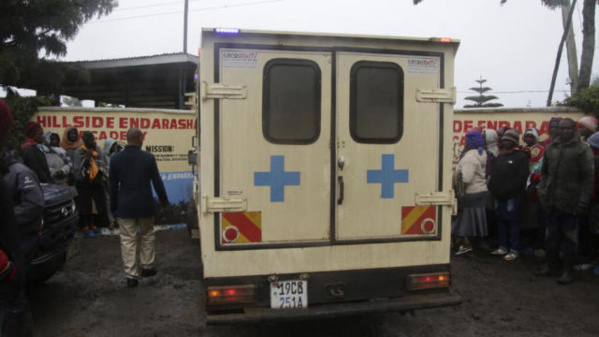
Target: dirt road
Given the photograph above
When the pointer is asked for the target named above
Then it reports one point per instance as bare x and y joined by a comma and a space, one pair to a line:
89, 298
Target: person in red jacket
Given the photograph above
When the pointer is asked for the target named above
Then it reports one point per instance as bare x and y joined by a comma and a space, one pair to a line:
530, 220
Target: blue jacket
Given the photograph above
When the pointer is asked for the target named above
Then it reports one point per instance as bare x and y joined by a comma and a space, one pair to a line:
132, 174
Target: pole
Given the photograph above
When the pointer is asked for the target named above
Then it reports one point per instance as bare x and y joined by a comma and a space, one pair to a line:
570, 49
185, 27
559, 53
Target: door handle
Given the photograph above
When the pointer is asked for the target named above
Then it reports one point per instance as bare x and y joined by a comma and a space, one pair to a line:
341, 190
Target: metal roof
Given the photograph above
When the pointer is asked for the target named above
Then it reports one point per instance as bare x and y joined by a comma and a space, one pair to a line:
158, 81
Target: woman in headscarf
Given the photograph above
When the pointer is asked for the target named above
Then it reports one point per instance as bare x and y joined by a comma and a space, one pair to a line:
472, 221
58, 162
70, 142
90, 179
531, 221
33, 151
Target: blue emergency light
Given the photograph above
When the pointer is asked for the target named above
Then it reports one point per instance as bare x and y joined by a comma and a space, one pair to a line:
231, 31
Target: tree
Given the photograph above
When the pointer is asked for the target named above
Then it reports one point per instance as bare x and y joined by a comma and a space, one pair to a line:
33, 32
482, 99
586, 100
22, 108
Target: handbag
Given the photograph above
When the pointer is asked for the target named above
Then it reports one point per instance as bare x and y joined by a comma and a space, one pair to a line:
458, 185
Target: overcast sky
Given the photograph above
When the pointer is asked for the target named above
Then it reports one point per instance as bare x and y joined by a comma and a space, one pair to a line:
512, 46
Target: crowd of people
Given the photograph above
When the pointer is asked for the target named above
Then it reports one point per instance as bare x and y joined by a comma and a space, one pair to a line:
114, 186
519, 195
76, 161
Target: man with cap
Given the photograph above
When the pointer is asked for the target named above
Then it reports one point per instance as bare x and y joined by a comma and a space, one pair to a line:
587, 125
133, 172
509, 173
15, 316
565, 190
33, 151
90, 174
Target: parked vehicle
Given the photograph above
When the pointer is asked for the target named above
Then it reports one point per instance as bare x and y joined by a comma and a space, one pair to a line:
58, 242
324, 184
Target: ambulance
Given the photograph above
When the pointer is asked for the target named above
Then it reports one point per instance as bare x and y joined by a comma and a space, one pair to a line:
324, 174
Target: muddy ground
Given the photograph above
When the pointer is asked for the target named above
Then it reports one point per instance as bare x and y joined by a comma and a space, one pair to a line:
89, 298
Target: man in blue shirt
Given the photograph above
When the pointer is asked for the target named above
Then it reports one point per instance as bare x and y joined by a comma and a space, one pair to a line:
132, 174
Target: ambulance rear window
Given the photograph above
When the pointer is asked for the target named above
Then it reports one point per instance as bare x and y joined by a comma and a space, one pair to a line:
376, 102
291, 101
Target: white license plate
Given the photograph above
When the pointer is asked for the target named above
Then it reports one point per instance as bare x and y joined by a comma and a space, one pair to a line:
289, 294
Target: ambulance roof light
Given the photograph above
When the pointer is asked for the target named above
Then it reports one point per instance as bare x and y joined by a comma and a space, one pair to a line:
231, 31
441, 39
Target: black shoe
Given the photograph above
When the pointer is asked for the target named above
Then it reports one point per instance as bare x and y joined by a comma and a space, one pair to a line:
148, 272
546, 270
132, 282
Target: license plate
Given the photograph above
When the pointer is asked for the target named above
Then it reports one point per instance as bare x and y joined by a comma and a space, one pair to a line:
289, 294
73, 248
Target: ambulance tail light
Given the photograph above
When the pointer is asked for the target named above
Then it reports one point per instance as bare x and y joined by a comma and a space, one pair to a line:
428, 281
231, 294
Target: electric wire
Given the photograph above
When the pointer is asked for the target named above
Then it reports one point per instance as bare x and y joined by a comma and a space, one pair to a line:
181, 10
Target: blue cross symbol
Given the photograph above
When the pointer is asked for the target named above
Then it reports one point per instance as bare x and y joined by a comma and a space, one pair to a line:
277, 178
387, 176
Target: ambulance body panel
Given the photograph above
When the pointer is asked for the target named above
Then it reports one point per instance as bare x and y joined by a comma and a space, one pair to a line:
323, 163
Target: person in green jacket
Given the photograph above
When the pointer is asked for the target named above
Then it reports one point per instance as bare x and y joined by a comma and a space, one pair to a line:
565, 191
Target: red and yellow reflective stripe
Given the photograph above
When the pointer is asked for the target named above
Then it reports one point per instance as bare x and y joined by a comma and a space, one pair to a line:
241, 227
418, 220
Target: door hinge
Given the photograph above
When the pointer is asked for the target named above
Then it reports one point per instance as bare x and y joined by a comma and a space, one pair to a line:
222, 91
436, 95
212, 205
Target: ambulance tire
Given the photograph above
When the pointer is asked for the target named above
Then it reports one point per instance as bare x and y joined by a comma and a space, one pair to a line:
192, 219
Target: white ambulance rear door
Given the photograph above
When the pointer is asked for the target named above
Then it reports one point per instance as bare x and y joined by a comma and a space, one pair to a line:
388, 145
274, 147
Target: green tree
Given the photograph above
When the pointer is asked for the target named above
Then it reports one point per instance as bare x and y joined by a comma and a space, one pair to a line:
586, 100
32, 33
481, 101
22, 108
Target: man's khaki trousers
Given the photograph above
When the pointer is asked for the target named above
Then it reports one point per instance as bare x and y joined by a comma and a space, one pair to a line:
128, 232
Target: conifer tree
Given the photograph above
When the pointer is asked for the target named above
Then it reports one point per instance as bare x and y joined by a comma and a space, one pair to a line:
481, 101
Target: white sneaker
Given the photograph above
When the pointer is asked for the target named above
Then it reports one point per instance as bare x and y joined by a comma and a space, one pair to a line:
511, 256
499, 251
463, 250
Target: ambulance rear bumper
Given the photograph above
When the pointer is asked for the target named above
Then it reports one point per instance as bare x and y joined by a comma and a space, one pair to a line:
406, 303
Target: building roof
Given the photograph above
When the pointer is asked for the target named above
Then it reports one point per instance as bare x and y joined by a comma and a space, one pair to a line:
158, 81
